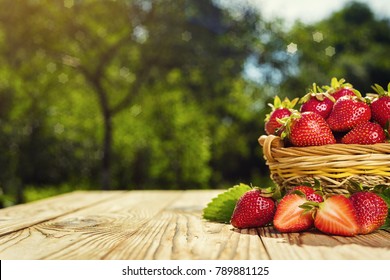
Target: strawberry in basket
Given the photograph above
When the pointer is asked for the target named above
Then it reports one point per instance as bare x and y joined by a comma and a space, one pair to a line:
339, 88
380, 107
317, 101
280, 110
348, 112
307, 129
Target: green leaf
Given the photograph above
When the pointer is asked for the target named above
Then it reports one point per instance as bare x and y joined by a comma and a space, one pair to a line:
386, 197
221, 208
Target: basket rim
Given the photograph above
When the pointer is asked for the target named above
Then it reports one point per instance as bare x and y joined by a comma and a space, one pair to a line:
273, 138
273, 147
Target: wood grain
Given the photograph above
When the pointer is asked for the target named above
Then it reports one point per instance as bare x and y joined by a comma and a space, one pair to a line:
317, 246
88, 233
161, 225
25, 215
180, 233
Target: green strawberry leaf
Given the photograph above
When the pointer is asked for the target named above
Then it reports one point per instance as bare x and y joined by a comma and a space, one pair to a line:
386, 225
221, 208
386, 197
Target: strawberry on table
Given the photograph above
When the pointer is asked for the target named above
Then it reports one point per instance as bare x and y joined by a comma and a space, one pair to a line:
310, 193
371, 211
367, 133
289, 217
307, 129
336, 216
348, 112
280, 110
380, 107
253, 210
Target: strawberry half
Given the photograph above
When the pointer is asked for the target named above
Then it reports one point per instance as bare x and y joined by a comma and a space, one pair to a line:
380, 107
371, 211
289, 217
280, 110
336, 216
347, 113
253, 210
365, 134
308, 129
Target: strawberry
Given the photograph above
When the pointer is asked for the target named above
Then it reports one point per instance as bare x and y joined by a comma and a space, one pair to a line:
336, 215
343, 92
253, 210
367, 133
310, 193
280, 110
308, 129
371, 211
348, 112
338, 88
380, 107
317, 101
289, 217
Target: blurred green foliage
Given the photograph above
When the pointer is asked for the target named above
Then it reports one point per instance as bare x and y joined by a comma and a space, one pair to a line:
140, 94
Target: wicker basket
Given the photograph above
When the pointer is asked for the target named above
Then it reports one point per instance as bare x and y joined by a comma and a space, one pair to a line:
333, 165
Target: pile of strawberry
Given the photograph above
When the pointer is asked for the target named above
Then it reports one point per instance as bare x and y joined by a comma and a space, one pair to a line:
335, 113
305, 208
331, 114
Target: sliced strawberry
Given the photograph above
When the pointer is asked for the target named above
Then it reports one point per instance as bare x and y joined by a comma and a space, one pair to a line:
289, 217
336, 215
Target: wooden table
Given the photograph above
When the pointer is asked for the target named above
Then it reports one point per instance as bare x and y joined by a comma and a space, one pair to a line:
159, 225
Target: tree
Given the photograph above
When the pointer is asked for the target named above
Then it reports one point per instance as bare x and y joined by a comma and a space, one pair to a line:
351, 43
122, 56
146, 42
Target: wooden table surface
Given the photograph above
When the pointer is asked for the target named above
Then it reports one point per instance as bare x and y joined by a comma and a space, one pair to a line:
159, 225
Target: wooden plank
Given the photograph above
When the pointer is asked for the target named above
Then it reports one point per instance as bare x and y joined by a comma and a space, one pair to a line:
180, 233
160, 225
317, 246
89, 233
25, 215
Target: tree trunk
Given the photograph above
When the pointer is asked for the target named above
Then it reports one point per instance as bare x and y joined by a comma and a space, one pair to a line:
107, 151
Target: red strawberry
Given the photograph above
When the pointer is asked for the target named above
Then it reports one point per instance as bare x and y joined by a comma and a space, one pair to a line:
253, 210
380, 107
309, 192
348, 112
365, 134
308, 129
343, 92
280, 110
336, 215
317, 101
338, 88
289, 217
371, 211
272, 126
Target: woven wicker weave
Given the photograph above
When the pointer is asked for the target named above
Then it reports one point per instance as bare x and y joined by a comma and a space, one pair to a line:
333, 165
